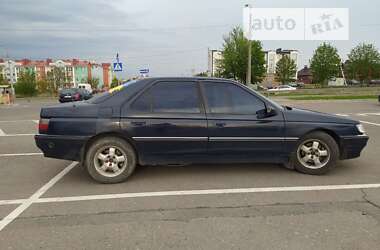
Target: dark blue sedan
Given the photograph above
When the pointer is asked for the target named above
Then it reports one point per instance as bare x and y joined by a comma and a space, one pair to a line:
162, 121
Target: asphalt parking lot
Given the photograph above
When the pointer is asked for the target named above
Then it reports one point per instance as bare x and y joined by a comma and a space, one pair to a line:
53, 204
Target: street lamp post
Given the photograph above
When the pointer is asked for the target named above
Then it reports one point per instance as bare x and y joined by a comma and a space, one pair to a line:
249, 67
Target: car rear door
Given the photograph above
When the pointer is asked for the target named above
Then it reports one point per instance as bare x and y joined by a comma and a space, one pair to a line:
167, 122
236, 133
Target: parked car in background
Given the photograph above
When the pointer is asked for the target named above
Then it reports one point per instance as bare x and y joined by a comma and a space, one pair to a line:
73, 95
168, 121
282, 88
85, 86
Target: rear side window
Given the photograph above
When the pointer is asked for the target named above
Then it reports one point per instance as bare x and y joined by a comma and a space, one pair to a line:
169, 97
225, 98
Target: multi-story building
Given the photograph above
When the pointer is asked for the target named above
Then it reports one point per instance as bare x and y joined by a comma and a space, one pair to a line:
9, 70
75, 71
214, 57
272, 57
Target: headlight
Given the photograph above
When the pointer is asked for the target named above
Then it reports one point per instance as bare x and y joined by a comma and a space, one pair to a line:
360, 128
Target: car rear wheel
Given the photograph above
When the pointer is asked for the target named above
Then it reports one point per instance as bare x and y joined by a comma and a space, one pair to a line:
316, 154
110, 160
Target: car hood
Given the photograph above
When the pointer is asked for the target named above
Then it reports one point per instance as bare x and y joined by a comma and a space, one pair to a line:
73, 109
303, 115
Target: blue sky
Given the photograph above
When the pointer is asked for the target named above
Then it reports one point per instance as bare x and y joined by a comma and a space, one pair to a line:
169, 37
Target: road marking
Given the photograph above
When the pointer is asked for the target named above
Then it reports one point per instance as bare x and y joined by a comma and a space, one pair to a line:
370, 123
36, 197
342, 115
32, 199
21, 154
361, 114
36, 121
209, 191
14, 135
12, 202
2, 133
11, 121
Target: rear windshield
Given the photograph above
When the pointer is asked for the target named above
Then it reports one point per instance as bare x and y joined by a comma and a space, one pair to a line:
68, 91
105, 95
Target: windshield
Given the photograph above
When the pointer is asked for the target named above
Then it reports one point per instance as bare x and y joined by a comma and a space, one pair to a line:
111, 92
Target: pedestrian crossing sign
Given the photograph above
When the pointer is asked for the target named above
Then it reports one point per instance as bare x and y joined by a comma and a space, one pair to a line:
117, 67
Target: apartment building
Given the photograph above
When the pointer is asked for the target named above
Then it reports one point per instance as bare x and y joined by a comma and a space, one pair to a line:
75, 71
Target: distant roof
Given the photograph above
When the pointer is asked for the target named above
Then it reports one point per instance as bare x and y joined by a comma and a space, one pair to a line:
306, 71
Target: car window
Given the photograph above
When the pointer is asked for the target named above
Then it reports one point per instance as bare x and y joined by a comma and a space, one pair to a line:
225, 98
143, 104
169, 97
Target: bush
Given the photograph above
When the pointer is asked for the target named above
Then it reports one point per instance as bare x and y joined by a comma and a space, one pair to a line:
26, 84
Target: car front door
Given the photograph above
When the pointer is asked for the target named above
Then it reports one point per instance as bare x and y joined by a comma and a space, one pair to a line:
236, 133
167, 123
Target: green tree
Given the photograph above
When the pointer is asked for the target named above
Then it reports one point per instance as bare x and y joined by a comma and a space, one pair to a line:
325, 63
115, 82
234, 60
363, 63
94, 82
56, 79
286, 70
201, 74
26, 84
3, 81
43, 86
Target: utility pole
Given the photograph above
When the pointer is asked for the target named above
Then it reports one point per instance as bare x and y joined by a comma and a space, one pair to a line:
249, 68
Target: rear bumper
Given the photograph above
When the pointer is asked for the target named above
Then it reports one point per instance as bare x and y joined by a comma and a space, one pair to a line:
352, 146
61, 147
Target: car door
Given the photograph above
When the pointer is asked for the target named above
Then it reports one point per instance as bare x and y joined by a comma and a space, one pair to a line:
236, 133
167, 122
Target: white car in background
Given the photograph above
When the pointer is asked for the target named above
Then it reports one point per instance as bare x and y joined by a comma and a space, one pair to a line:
282, 88
85, 86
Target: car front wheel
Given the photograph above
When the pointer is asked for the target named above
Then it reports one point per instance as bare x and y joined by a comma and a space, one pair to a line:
110, 160
316, 154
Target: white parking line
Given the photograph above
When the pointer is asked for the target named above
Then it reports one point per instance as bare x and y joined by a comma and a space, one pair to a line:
12, 202
344, 115
194, 192
32, 199
21, 154
370, 123
11, 121
209, 191
2, 133
15, 135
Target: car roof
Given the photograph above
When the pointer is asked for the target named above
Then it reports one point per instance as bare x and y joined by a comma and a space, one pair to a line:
190, 79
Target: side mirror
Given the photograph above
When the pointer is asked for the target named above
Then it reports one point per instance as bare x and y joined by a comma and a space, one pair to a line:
267, 112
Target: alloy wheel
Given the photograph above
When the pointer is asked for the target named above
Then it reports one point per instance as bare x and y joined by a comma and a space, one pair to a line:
313, 154
110, 161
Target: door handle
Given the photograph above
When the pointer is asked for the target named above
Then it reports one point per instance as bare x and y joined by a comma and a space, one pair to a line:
220, 124
138, 123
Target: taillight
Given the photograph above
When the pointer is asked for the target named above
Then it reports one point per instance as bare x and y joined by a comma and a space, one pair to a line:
43, 126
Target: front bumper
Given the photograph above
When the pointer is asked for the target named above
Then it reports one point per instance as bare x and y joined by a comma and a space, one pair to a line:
61, 146
352, 146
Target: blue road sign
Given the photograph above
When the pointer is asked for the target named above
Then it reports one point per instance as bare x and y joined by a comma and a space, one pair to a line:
117, 67
144, 71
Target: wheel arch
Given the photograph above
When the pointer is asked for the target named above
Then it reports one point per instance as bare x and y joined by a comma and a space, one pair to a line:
90, 141
330, 133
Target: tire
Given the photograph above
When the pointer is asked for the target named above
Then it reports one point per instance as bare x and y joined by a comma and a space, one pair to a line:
105, 165
310, 155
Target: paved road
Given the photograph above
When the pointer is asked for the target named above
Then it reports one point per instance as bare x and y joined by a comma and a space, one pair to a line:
252, 206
